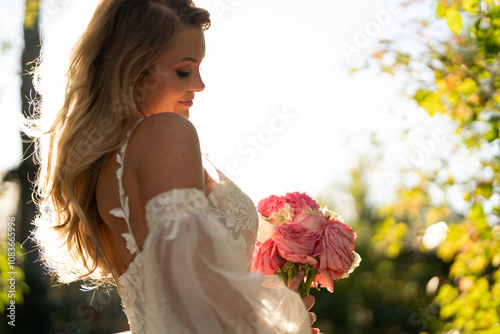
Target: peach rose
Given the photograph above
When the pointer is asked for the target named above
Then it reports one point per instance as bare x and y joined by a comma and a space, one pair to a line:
311, 222
336, 255
296, 243
266, 258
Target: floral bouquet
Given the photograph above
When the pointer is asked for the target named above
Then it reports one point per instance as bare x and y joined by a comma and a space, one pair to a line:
295, 234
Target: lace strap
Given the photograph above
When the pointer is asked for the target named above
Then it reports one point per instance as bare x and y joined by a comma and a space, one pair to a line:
210, 168
124, 211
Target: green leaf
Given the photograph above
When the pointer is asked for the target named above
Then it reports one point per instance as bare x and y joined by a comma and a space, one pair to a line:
492, 135
440, 10
471, 5
428, 100
353, 70
476, 212
453, 19
468, 86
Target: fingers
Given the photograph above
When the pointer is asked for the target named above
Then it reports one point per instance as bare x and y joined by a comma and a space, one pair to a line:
296, 280
313, 317
309, 301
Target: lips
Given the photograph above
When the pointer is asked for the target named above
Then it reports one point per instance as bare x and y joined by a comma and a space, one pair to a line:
188, 103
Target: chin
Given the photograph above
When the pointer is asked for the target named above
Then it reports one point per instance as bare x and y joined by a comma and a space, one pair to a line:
182, 110
184, 113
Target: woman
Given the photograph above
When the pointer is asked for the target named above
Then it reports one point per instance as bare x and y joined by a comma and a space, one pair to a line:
124, 195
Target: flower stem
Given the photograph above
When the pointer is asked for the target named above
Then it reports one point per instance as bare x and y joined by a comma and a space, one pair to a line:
283, 278
290, 274
311, 275
290, 269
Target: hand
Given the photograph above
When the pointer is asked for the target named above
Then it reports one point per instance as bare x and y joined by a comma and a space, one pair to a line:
308, 300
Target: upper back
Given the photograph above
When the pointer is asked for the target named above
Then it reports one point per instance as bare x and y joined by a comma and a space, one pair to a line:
162, 153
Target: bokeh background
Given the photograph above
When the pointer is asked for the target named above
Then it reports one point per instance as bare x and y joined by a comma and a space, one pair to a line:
386, 111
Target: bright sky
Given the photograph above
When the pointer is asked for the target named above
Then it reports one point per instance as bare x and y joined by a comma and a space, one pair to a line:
279, 112
11, 42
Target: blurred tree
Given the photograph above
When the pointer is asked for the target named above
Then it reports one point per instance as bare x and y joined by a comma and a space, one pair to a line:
387, 292
12, 280
442, 256
33, 315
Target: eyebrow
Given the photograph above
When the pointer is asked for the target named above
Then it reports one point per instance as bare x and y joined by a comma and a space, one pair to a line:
191, 59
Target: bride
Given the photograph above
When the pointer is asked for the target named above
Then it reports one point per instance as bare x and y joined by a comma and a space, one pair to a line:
124, 192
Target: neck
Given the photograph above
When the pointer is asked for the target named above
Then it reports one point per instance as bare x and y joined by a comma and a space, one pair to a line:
140, 112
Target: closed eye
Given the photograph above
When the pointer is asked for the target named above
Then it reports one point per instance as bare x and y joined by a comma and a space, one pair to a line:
183, 73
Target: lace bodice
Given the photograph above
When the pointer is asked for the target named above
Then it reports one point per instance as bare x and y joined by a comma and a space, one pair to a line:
170, 286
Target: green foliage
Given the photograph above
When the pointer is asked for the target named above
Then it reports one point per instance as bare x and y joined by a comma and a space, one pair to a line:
387, 292
388, 238
453, 18
31, 14
12, 258
12, 285
465, 87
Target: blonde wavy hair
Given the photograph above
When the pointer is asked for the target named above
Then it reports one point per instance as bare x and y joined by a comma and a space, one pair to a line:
116, 51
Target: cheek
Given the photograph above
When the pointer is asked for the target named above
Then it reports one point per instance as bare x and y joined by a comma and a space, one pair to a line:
167, 92
175, 88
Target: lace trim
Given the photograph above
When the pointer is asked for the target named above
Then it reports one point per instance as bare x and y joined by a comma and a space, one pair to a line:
176, 203
124, 210
237, 211
132, 295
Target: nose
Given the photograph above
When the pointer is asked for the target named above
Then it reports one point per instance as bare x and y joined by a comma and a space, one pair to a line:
197, 85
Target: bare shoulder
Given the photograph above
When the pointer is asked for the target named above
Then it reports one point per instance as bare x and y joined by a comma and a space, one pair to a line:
166, 126
165, 154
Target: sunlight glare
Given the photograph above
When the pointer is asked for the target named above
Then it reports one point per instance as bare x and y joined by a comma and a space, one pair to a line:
435, 235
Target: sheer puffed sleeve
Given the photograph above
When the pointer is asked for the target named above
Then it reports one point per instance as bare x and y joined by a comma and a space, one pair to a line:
195, 279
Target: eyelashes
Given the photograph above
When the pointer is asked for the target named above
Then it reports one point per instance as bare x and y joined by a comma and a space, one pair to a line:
183, 73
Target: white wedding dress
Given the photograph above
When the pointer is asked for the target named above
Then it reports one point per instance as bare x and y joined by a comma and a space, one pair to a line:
192, 275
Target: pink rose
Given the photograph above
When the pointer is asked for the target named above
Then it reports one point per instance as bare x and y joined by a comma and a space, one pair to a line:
266, 258
300, 201
297, 244
267, 206
296, 202
335, 253
311, 222
325, 280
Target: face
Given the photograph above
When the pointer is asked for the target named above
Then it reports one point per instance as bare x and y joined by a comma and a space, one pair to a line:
175, 77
